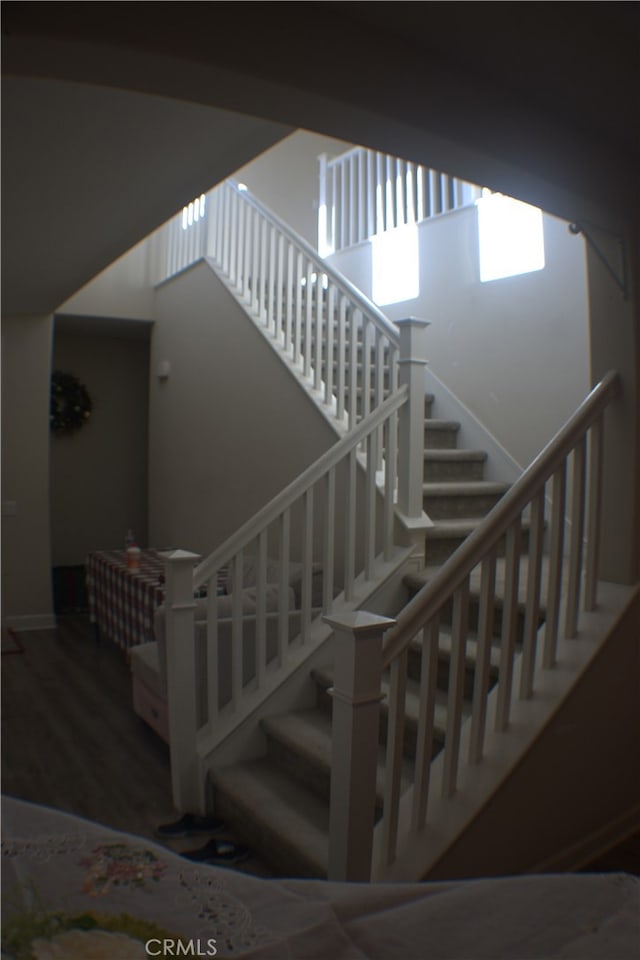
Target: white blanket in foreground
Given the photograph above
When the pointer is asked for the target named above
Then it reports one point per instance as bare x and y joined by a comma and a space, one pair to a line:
73, 890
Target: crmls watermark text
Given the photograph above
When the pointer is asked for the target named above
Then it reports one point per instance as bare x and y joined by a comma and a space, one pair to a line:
181, 948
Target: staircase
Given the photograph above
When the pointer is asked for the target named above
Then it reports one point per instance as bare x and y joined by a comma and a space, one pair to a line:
478, 631
279, 803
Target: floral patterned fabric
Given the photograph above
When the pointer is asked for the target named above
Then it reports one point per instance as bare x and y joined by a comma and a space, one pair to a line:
73, 890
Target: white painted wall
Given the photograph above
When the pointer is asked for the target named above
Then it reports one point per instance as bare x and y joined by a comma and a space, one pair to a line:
26, 547
286, 177
123, 289
227, 430
515, 351
99, 473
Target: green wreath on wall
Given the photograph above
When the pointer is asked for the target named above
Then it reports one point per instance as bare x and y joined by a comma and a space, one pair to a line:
71, 404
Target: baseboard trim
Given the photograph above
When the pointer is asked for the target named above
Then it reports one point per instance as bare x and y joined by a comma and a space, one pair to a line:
33, 621
580, 854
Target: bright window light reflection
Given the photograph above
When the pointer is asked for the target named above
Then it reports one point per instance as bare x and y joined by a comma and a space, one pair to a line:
194, 211
511, 237
394, 265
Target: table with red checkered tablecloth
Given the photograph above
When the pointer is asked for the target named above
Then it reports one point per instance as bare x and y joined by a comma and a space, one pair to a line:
122, 602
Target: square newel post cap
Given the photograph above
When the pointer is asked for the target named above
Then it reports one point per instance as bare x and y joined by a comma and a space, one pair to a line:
180, 556
419, 322
360, 623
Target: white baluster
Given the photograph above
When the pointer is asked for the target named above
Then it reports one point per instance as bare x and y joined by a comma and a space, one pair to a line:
356, 710
352, 200
233, 238
390, 478
426, 716
483, 657
459, 630
213, 651
370, 508
532, 610
332, 294
262, 285
371, 195
350, 523
329, 541
289, 299
280, 292
509, 624
187, 786
394, 753
307, 562
237, 638
318, 338
284, 546
307, 320
341, 359
261, 610
575, 546
556, 553
593, 514
270, 318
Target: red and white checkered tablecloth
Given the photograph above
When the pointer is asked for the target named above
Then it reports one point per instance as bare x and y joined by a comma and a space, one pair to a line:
122, 602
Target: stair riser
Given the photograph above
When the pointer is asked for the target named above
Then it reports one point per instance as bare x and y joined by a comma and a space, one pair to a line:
439, 439
436, 471
285, 858
458, 506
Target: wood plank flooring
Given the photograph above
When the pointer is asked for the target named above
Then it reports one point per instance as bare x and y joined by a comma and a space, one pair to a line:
71, 740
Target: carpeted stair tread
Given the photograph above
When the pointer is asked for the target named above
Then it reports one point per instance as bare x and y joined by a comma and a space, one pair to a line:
273, 812
454, 453
457, 527
434, 423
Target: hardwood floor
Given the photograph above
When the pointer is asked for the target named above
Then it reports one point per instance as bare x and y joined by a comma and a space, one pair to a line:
71, 740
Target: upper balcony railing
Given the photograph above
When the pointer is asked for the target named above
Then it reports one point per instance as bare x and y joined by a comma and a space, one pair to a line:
364, 193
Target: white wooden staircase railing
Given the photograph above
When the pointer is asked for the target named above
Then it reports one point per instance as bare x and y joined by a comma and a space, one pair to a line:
575, 452
334, 519
364, 193
340, 344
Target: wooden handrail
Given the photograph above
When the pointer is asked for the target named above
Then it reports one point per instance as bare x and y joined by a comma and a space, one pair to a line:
450, 576
297, 487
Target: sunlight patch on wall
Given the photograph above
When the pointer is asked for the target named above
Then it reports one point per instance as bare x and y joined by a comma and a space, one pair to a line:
395, 265
511, 237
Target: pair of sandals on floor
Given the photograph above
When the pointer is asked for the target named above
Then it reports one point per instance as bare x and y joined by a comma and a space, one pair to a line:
221, 852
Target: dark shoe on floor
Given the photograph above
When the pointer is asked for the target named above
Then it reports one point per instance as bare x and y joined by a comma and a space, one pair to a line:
190, 825
221, 852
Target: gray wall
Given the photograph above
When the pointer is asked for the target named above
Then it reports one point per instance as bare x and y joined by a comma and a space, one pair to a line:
99, 473
515, 351
26, 546
578, 779
227, 430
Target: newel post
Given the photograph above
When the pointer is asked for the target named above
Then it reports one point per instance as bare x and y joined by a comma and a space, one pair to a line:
411, 363
187, 788
356, 709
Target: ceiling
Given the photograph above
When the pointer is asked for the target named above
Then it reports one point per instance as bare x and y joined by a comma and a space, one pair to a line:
114, 115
